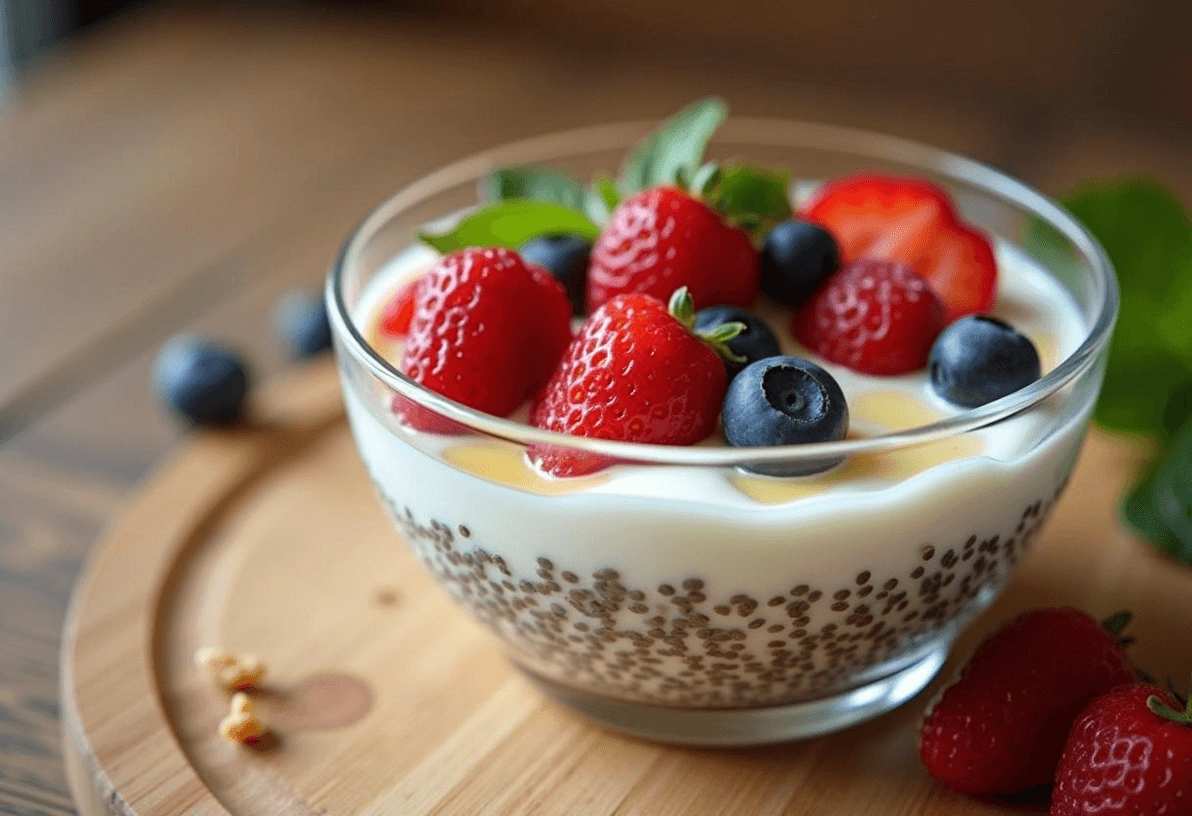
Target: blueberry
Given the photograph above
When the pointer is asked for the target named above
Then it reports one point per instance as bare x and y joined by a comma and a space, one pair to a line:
301, 320
757, 342
566, 256
201, 381
979, 359
797, 257
785, 401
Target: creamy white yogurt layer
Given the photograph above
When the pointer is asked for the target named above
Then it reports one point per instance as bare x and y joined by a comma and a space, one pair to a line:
901, 522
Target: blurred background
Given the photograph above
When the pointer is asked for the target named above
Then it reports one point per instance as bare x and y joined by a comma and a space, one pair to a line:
171, 167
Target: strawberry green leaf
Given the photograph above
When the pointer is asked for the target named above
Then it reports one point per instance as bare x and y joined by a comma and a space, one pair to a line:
538, 183
511, 223
752, 198
674, 150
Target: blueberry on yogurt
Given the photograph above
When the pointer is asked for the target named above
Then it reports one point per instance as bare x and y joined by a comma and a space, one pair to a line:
755, 342
785, 401
565, 257
979, 359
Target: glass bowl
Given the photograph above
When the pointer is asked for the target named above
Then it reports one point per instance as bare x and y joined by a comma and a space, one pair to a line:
672, 595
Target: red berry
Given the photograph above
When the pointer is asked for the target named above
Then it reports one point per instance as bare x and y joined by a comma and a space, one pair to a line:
872, 316
910, 221
662, 239
399, 311
487, 330
632, 373
1001, 728
1123, 758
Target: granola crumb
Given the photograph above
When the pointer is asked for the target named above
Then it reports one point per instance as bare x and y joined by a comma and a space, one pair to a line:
233, 672
242, 725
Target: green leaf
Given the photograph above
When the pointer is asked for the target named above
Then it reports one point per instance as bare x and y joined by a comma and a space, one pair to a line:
538, 183
677, 147
1146, 231
1138, 512
1171, 492
510, 224
601, 199
752, 198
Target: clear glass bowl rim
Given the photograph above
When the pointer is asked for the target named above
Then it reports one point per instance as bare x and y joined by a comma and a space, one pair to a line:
740, 131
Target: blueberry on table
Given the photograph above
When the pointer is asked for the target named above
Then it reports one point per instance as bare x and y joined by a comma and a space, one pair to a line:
755, 343
979, 359
785, 401
301, 320
201, 381
796, 258
565, 257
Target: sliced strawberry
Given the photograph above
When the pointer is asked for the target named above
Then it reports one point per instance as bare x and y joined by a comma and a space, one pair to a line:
910, 221
398, 313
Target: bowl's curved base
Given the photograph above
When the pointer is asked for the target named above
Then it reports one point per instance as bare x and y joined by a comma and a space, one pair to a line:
752, 726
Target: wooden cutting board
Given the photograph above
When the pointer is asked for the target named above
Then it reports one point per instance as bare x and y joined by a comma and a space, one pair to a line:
385, 698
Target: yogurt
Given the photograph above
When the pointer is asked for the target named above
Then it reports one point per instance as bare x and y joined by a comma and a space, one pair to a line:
712, 588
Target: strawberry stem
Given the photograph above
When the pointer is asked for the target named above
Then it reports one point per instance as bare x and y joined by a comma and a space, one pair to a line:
1160, 708
682, 309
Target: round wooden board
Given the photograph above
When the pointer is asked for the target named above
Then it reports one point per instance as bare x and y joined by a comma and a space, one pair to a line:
385, 698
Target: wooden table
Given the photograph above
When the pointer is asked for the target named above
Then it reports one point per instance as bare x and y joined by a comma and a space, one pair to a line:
177, 171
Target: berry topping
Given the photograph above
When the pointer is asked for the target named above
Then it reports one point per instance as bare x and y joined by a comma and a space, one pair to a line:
487, 330
1129, 753
755, 342
797, 257
1001, 728
399, 311
201, 381
785, 401
876, 317
301, 321
910, 221
565, 257
636, 373
662, 239
979, 359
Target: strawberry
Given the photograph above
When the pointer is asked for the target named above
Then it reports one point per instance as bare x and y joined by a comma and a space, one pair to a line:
872, 316
487, 330
634, 372
662, 239
1130, 752
1001, 728
909, 221
399, 310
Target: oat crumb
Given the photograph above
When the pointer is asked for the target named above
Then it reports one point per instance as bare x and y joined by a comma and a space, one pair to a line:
233, 672
242, 724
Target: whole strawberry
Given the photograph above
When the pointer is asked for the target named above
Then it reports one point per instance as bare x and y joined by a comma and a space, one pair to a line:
662, 239
634, 372
1130, 752
1001, 728
487, 330
876, 317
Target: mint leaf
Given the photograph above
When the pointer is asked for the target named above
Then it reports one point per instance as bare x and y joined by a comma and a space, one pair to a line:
1146, 231
511, 223
677, 147
1171, 493
601, 199
752, 198
538, 183
1139, 513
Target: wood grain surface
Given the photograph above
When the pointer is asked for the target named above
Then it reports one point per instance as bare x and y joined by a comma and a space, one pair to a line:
178, 168
270, 541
